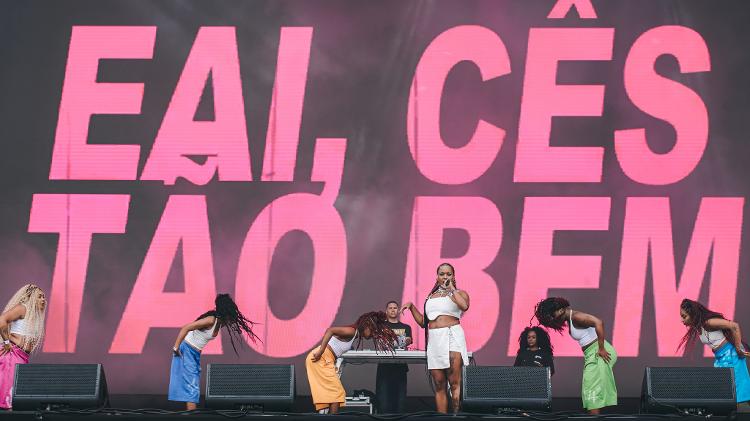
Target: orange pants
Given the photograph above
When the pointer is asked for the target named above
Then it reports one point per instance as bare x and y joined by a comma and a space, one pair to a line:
325, 386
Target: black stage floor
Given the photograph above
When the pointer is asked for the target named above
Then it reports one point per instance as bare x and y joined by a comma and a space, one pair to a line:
303, 404
129, 408
130, 415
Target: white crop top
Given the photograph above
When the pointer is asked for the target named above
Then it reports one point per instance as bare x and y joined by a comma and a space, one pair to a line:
441, 306
18, 327
584, 336
199, 338
713, 338
339, 347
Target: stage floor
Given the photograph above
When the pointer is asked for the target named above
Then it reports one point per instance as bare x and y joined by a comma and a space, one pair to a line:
130, 415
130, 408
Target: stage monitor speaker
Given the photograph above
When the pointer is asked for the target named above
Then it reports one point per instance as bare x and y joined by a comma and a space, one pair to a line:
50, 386
697, 390
250, 386
492, 388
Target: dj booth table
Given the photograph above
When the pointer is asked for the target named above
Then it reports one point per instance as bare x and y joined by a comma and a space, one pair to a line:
399, 356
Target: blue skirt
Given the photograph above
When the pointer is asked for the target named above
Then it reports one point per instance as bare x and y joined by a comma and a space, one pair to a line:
727, 356
185, 376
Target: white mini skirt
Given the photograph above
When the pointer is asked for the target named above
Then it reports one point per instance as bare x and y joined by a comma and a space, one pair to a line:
441, 342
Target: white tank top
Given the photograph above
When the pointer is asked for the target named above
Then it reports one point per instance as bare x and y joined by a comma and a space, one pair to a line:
339, 347
199, 338
18, 327
713, 338
441, 306
584, 336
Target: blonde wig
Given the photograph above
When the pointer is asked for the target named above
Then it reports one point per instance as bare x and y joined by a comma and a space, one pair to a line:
30, 297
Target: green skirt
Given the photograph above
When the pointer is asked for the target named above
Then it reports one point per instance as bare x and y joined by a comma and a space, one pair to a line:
598, 388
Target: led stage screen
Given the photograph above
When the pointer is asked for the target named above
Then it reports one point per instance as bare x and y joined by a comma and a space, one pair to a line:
318, 158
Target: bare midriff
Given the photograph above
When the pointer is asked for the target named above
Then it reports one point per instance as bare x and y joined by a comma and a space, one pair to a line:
443, 321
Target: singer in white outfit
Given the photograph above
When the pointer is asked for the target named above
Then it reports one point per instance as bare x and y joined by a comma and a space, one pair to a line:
446, 344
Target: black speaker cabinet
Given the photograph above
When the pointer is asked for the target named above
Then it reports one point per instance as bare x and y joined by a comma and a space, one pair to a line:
489, 388
47, 386
706, 390
263, 386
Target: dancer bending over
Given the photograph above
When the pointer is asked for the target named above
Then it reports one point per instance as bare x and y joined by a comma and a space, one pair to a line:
327, 391
598, 388
184, 379
723, 337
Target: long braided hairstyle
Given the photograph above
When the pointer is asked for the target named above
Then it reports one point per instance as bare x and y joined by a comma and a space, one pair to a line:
30, 296
699, 314
230, 317
382, 335
432, 291
545, 310
425, 326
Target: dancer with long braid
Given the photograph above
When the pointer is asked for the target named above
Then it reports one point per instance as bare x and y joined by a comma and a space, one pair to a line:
328, 393
446, 343
184, 380
598, 388
22, 331
723, 336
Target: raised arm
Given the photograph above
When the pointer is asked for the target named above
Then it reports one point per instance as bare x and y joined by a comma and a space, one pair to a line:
418, 317
461, 298
587, 320
340, 331
203, 323
734, 327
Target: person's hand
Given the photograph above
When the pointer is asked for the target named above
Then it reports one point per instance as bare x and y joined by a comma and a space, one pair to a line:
604, 354
742, 352
316, 355
406, 306
445, 285
6, 349
176, 352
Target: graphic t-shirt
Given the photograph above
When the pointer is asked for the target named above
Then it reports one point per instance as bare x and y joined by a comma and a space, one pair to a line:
403, 331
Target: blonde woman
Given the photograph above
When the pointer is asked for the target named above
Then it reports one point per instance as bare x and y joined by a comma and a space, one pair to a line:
22, 331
